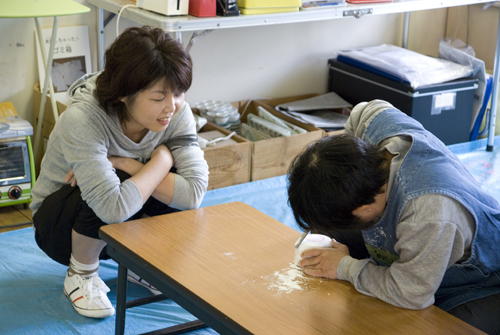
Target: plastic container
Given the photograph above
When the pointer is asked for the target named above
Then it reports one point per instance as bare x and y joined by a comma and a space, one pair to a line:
234, 115
443, 109
312, 241
221, 119
220, 112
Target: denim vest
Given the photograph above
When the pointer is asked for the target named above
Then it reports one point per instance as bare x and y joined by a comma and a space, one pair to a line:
430, 168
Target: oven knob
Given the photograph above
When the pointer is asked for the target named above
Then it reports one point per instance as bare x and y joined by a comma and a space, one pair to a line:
15, 192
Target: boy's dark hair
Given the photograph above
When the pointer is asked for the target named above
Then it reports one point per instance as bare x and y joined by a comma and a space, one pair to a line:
135, 61
332, 177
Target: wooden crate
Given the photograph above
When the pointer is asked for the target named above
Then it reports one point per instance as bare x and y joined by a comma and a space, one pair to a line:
230, 164
271, 158
333, 133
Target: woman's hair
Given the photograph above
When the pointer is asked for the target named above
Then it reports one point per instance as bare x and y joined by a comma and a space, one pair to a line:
332, 177
137, 60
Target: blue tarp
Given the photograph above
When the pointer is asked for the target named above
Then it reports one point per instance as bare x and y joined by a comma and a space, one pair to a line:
31, 296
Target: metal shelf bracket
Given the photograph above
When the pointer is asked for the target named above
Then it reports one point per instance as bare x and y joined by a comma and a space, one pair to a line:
197, 36
357, 13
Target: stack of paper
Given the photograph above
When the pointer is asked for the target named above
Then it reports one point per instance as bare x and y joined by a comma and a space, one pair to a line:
265, 126
328, 120
321, 111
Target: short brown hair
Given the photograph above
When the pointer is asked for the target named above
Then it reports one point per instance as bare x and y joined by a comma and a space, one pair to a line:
135, 61
331, 178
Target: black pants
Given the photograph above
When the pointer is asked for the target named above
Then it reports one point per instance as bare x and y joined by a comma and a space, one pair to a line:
65, 210
481, 313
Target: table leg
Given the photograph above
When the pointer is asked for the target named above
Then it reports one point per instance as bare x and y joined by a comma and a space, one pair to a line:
121, 300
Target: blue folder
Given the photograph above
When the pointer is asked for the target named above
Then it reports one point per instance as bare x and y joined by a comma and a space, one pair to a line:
371, 68
479, 119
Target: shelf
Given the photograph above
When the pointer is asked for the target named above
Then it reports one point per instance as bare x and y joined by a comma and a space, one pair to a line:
193, 23
178, 24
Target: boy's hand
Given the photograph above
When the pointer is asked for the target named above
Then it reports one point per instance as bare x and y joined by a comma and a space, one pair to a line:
323, 262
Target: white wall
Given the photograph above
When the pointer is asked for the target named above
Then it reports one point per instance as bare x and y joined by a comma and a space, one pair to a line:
275, 60
230, 64
18, 62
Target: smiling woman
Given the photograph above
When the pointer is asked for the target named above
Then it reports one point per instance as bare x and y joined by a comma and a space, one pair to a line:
125, 147
154, 57
151, 109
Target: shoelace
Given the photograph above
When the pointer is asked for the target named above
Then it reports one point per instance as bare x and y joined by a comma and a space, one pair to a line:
95, 288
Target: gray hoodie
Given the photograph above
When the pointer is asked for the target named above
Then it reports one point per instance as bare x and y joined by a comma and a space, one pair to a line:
83, 138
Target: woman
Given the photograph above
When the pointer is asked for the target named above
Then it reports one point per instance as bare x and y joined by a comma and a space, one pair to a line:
126, 146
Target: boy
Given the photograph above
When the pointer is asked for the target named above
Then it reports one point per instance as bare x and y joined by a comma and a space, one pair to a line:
419, 228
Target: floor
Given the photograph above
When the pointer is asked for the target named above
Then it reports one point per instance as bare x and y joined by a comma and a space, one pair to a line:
14, 217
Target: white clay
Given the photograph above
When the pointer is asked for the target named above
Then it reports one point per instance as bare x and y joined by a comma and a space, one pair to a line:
311, 241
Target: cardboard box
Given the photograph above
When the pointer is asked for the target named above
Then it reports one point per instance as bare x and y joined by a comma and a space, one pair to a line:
230, 164
271, 158
335, 132
47, 125
275, 102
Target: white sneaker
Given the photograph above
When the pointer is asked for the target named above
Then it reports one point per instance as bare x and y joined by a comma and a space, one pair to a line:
88, 296
134, 278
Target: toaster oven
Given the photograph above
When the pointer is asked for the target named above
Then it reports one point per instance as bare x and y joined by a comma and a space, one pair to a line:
17, 170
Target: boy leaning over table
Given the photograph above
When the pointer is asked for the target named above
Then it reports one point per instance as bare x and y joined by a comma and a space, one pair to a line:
413, 227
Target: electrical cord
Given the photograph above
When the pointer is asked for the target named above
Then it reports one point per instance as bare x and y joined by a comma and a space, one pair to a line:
118, 17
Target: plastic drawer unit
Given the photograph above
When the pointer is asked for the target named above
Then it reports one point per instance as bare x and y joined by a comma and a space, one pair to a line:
444, 109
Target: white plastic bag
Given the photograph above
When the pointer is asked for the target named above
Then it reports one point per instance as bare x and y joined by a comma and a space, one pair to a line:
459, 52
409, 66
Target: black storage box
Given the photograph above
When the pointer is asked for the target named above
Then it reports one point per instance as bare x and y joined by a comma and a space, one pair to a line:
444, 109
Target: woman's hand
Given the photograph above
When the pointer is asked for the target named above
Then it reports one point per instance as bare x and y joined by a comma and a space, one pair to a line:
323, 262
70, 177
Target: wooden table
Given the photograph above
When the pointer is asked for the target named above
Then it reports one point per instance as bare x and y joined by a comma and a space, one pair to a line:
220, 263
